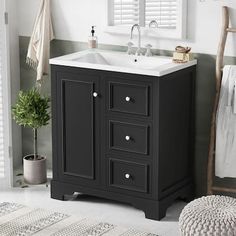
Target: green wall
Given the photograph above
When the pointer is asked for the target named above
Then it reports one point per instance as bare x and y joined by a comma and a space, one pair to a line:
205, 87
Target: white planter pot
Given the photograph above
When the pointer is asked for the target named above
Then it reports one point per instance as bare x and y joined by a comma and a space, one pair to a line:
35, 171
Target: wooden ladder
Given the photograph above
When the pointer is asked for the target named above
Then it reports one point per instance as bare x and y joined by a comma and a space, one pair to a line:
211, 188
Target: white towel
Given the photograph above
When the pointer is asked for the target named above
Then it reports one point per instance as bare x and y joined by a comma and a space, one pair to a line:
226, 126
39, 46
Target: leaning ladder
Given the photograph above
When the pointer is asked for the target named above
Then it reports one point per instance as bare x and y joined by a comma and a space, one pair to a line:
211, 188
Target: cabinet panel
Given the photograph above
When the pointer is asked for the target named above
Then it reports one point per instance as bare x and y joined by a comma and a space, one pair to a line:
78, 127
128, 175
129, 98
129, 137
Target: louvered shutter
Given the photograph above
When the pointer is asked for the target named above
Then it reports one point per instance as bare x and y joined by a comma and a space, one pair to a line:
126, 12
2, 70
163, 11
2, 164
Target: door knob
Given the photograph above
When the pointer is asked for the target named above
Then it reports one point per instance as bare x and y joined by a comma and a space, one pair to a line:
95, 94
127, 137
127, 99
127, 176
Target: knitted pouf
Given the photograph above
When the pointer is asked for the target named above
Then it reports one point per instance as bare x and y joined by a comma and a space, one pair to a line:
211, 215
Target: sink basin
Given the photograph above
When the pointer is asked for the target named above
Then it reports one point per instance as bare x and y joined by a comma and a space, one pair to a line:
112, 59
121, 62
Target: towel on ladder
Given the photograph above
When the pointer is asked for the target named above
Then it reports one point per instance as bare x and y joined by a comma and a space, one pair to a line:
225, 163
39, 46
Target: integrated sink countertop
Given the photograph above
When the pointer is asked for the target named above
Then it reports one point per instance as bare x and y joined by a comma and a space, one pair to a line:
121, 62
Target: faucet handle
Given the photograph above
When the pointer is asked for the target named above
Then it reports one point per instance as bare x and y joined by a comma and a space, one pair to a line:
148, 52
129, 51
148, 45
130, 44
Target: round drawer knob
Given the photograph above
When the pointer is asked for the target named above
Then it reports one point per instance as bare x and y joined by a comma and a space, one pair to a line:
127, 138
127, 176
127, 99
95, 94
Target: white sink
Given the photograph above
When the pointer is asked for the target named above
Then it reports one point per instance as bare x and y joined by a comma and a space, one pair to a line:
121, 62
112, 59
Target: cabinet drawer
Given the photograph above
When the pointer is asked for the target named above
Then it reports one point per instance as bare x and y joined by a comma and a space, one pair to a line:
129, 98
129, 137
128, 175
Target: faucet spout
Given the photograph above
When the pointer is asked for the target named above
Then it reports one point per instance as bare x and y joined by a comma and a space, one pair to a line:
138, 52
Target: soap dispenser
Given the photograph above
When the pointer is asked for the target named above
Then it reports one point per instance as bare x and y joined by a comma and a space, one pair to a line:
92, 40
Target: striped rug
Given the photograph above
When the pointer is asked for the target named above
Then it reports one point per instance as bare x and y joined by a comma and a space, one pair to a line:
19, 220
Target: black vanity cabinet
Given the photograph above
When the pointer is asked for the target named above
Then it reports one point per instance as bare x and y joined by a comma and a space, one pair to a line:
123, 136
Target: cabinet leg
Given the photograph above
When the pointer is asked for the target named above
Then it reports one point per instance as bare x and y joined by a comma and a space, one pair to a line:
155, 211
188, 198
188, 195
58, 191
57, 194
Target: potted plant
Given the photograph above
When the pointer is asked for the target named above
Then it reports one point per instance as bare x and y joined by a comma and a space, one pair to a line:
31, 110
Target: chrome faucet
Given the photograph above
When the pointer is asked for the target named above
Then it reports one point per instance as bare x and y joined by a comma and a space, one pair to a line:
138, 52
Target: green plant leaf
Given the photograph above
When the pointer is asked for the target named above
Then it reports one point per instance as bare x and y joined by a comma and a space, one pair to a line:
31, 109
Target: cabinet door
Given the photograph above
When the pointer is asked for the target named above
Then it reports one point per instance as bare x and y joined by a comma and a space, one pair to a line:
77, 128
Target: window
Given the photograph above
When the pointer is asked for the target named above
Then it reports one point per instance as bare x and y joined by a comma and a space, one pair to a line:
169, 14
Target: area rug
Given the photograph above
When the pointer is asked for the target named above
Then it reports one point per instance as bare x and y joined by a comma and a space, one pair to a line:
19, 220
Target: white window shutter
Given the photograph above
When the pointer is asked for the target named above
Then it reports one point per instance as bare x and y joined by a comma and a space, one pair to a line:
126, 12
163, 11
2, 72
171, 16
2, 164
